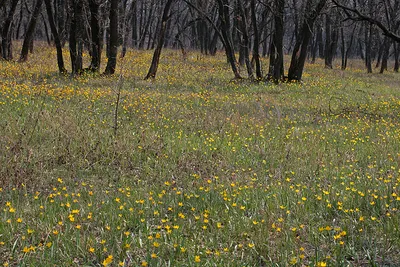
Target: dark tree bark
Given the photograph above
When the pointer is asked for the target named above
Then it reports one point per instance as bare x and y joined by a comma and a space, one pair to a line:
113, 44
320, 43
6, 43
357, 15
380, 53
134, 24
60, 17
223, 9
30, 31
396, 57
75, 37
21, 17
144, 30
385, 55
157, 53
316, 47
276, 70
331, 40
328, 41
46, 30
301, 47
95, 35
346, 52
245, 39
256, 45
368, 47
57, 41
223, 31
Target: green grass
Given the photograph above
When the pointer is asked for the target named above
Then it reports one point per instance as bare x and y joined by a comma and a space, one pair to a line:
202, 171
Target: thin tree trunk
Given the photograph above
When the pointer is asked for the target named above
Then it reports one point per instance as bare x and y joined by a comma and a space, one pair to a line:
256, 45
157, 53
396, 57
57, 41
61, 27
347, 51
113, 44
300, 50
95, 35
276, 70
246, 39
343, 48
30, 31
75, 37
6, 32
380, 54
146, 27
134, 24
46, 30
385, 56
328, 41
368, 49
223, 9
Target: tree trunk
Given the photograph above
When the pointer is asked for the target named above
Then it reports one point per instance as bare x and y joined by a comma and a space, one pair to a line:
30, 31
380, 54
157, 53
276, 70
146, 27
328, 41
245, 39
333, 40
61, 28
368, 50
256, 45
396, 57
223, 9
134, 24
320, 43
301, 47
113, 44
316, 44
347, 51
57, 41
95, 35
6, 43
385, 55
46, 30
343, 48
75, 36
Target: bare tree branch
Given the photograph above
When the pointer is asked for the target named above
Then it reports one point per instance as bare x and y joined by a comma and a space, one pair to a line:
358, 16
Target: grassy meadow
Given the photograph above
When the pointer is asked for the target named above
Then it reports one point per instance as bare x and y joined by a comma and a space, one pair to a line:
193, 169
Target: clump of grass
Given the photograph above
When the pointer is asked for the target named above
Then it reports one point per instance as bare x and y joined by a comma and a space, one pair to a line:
201, 171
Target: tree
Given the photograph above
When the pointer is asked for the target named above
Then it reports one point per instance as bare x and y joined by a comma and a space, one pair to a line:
226, 35
161, 36
276, 70
113, 43
30, 31
6, 44
303, 38
245, 43
57, 41
256, 45
356, 15
331, 37
223, 31
75, 36
94, 7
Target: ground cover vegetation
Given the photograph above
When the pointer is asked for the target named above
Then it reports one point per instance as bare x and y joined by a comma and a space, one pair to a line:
194, 169
294, 161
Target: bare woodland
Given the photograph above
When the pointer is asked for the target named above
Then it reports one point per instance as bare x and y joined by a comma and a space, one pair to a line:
245, 30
